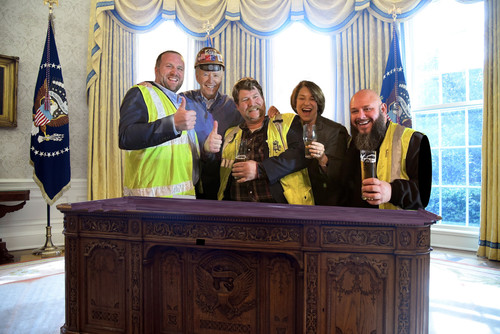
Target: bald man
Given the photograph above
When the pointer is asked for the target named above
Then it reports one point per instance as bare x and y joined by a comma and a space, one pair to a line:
404, 166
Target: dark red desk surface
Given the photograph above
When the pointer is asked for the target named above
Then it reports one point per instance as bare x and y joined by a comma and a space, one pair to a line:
243, 210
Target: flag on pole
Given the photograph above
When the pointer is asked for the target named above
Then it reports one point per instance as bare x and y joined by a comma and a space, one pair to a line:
49, 152
394, 92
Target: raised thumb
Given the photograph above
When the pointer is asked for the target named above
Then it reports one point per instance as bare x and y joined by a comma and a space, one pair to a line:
216, 125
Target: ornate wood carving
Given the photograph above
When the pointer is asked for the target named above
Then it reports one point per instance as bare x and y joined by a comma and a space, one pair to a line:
146, 265
105, 301
261, 233
312, 288
116, 225
357, 237
404, 289
358, 286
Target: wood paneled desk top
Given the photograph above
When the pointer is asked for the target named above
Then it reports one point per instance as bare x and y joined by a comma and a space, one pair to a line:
151, 265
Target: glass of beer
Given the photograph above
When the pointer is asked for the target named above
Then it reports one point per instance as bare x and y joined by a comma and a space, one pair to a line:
241, 151
309, 136
368, 164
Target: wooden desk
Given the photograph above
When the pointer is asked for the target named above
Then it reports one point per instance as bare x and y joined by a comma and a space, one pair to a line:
10, 196
151, 265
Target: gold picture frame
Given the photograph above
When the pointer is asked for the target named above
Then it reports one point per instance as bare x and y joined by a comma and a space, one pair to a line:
8, 89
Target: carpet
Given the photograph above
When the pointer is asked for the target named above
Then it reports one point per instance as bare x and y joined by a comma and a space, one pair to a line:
463, 297
32, 297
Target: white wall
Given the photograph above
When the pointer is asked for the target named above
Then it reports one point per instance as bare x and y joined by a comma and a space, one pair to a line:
25, 228
23, 29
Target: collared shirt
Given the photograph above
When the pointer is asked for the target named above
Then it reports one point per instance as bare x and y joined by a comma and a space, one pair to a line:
256, 190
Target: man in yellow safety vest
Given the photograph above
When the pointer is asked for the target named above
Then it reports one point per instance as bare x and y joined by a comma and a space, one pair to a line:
157, 132
275, 167
403, 159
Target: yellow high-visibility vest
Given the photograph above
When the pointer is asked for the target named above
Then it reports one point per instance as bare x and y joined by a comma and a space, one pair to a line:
391, 163
296, 186
164, 170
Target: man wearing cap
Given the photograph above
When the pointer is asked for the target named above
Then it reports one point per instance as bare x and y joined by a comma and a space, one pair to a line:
215, 113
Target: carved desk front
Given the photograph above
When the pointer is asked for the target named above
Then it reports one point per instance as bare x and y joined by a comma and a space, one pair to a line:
151, 265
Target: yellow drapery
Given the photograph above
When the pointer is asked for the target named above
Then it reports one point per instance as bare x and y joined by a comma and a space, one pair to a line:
489, 240
104, 94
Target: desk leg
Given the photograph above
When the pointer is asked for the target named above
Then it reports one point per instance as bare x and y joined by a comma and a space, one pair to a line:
5, 257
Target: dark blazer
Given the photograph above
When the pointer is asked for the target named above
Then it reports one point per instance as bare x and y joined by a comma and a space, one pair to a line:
326, 187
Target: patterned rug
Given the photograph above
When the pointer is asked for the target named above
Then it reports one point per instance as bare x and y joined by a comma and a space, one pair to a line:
23, 271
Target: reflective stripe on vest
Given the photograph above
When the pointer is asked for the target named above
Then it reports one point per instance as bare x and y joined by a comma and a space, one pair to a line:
391, 163
164, 170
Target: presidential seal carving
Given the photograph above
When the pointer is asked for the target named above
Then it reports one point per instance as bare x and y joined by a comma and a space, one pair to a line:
225, 284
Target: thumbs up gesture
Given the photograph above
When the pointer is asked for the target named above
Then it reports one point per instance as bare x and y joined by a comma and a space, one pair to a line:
184, 119
213, 141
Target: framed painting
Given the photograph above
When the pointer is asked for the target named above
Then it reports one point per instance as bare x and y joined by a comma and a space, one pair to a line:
8, 90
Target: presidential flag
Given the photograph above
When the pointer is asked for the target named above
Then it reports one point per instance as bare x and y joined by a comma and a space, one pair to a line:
49, 153
394, 92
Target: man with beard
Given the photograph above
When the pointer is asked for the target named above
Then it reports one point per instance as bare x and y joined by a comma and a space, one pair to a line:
215, 113
404, 166
158, 133
275, 169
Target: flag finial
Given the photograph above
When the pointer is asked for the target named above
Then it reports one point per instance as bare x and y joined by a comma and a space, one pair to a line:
207, 26
51, 4
394, 12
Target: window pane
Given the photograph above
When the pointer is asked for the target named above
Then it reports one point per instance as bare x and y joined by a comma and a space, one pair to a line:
475, 166
152, 43
453, 166
476, 84
474, 207
435, 166
445, 43
433, 205
292, 64
427, 92
453, 128
475, 126
454, 206
429, 124
453, 87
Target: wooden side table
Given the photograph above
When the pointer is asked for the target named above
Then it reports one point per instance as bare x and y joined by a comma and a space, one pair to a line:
10, 196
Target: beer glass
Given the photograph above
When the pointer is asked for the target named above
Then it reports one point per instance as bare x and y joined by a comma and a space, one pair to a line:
309, 136
368, 164
241, 151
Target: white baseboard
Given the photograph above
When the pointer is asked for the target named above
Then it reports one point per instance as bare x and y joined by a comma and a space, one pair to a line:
26, 228
455, 237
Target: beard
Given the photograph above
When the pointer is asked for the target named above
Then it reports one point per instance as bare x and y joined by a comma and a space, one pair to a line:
372, 140
262, 113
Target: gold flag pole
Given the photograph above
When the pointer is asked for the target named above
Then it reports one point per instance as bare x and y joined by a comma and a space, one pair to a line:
49, 249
